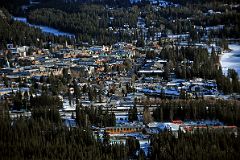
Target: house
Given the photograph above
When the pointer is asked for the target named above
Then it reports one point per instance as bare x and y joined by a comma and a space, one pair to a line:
70, 123
123, 129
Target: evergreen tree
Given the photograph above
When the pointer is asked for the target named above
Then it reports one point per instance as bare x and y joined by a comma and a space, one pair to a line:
133, 114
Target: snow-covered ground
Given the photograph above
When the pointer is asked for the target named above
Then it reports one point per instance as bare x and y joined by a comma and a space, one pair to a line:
44, 28
231, 59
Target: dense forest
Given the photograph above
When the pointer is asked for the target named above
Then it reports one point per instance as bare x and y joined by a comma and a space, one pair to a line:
202, 1
118, 3
21, 34
196, 146
92, 21
13, 6
225, 111
89, 23
33, 139
183, 19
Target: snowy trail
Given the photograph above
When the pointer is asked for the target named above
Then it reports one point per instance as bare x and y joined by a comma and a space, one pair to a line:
231, 60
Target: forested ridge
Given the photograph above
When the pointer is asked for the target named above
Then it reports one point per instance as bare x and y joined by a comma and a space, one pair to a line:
13, 6
90, 20
89, 23
19, 33
173, 19
203, 1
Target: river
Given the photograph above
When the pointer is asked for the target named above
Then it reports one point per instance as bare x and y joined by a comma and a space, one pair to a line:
44, 29
231, 59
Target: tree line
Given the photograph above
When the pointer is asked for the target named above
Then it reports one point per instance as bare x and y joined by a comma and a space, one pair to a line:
199, 145
225, 111
19, 33
89, 23
35, 139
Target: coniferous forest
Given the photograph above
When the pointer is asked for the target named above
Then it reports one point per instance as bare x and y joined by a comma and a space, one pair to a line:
41, 139
21, 34
130, 69
195, 146
225, 111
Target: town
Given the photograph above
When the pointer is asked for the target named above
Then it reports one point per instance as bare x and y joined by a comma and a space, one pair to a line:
162, 81
116, 78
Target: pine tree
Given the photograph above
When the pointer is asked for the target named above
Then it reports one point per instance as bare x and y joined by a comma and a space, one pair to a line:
147, 117
133, 114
